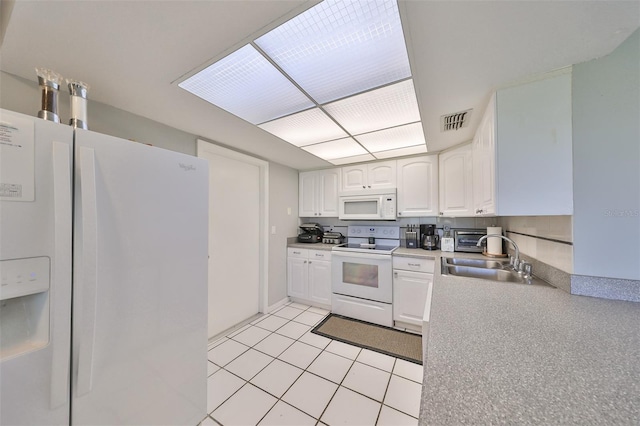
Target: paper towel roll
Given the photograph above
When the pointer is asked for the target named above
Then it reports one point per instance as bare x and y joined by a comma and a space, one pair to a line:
494, 245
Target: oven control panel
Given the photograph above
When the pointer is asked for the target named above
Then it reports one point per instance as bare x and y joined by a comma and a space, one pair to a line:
365, 231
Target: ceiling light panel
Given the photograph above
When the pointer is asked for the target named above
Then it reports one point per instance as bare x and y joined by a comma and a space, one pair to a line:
396, 137
351, 160
305, 128
411, 150
340, 148
378, 109
245, 84
339, 48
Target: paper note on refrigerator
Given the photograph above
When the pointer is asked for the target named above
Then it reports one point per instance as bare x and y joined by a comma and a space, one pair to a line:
17, 158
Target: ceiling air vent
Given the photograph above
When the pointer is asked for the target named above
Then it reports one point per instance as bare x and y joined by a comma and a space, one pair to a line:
454, 121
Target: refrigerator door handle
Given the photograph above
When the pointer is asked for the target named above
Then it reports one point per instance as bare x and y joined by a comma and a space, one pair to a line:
61, 274
88, 283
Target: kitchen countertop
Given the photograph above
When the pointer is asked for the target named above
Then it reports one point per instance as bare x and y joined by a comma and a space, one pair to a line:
312, 246
505, 353
400, 251
418, 253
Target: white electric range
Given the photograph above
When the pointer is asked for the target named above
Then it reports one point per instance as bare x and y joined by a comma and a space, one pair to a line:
361, 274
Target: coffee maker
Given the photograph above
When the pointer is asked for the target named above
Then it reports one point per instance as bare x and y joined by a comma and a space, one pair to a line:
430, 238
311, 233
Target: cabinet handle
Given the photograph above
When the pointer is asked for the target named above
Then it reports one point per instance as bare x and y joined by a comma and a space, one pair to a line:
369, 186
315, 214
364, 186
413, 264
395, 274
441, 213
319, 214
305, 261
399, 213
309, 262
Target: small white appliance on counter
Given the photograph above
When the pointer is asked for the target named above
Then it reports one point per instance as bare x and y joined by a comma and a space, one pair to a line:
103, 258
368, 204
362, 274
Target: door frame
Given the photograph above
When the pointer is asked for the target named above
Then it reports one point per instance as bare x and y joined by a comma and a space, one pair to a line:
202, 146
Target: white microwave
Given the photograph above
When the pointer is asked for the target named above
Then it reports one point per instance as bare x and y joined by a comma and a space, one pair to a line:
367, 205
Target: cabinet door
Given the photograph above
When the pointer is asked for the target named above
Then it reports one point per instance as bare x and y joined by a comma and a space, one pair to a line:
307, 184
320, 282
534, 173
354, 178
297, 277
409, 295
328, 187
418, 186
382, 175
456, 186
483, 153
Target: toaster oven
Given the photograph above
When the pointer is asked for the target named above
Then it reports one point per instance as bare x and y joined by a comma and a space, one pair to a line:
465, 240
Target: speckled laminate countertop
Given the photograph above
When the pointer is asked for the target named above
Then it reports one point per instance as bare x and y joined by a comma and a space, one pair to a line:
312, 246
504, 353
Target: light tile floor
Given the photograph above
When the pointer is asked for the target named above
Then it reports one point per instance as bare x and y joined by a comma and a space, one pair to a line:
274, 371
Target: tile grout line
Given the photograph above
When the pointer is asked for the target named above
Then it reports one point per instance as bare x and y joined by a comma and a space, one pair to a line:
274, 358
353, 361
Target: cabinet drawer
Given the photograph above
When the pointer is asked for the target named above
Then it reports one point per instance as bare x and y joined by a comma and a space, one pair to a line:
298, 252
413, 264
319, 255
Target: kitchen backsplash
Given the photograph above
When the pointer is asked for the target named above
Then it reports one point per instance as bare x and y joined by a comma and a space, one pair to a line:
548, 239
333, 224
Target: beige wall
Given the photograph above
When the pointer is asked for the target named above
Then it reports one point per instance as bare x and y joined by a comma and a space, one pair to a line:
283, 195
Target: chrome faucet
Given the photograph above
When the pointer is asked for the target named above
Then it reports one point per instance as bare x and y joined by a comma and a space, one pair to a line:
516, 260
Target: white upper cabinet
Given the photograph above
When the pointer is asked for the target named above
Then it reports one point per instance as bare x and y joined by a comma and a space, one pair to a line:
307, 197
417, 180
318, 193
534, 174
456, 186
369, 176
484, 153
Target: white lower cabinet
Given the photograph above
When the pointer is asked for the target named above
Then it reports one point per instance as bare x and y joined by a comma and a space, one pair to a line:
309, 276
412, 278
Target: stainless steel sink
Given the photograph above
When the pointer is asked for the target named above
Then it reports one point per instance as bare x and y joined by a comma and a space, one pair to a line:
493, 270
476, 263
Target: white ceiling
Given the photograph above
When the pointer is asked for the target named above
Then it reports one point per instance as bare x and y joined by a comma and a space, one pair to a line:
133, 53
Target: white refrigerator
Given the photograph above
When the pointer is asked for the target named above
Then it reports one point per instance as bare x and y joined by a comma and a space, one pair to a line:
103, 262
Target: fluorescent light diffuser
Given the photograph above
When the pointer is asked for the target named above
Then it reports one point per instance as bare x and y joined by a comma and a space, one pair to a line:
340, 148
339, 48
305, 128
351, 160
378, 109
412, 150
245, 84
393, 138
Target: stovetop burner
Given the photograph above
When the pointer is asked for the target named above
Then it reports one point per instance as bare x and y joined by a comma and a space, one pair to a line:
386, 239
366, 248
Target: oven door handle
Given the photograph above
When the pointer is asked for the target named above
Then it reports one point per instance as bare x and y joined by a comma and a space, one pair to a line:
358, 255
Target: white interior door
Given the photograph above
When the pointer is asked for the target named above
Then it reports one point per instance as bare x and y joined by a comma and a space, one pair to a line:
237, 241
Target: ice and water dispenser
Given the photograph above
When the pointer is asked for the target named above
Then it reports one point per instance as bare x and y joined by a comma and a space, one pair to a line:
24, 305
